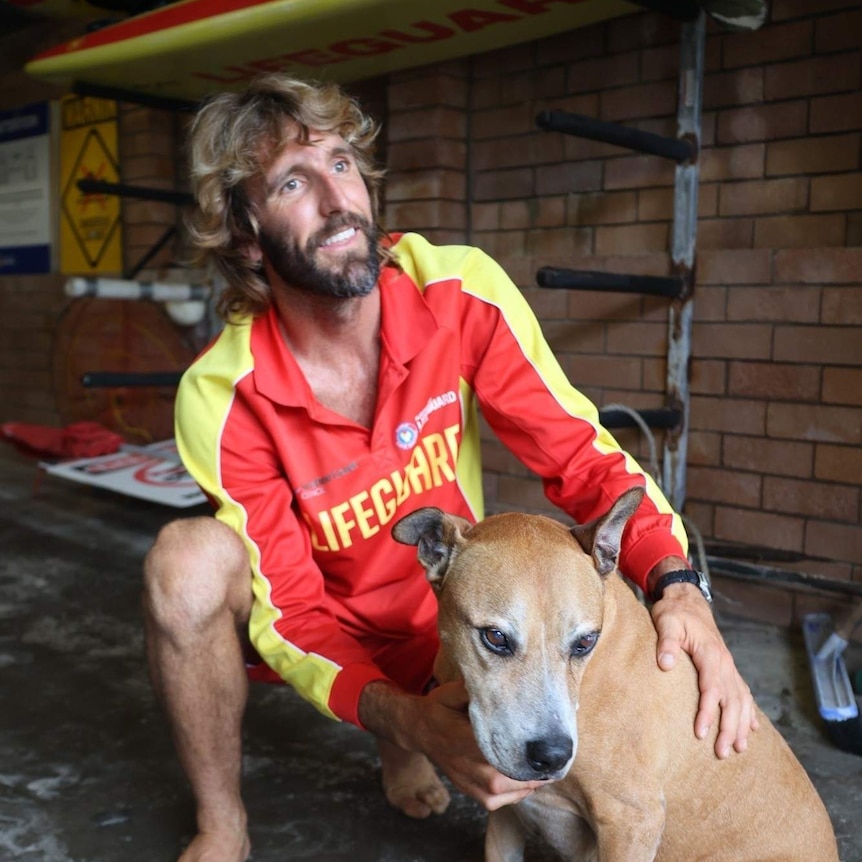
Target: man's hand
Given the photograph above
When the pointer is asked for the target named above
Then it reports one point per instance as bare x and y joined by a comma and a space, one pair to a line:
684, 621
437, 726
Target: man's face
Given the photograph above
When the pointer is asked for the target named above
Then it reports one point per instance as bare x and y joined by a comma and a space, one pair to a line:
316, 230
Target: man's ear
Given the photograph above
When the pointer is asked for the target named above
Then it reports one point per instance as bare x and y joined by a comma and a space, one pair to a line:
601, 538
436, 535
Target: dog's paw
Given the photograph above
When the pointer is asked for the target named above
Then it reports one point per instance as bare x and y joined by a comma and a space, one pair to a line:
420, 800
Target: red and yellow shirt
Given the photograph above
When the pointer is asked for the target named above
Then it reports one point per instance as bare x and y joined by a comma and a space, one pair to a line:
314, 495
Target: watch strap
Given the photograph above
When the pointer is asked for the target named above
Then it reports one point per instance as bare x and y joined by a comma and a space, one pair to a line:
679, 576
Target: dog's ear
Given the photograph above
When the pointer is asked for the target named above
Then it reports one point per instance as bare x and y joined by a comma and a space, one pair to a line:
601, 538
436, 535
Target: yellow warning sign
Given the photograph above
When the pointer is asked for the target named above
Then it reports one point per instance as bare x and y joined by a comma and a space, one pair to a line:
90, 227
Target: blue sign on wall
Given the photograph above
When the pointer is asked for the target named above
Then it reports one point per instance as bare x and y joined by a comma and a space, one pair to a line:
25, 190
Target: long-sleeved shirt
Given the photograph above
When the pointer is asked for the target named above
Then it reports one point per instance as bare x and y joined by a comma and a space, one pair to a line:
314, 495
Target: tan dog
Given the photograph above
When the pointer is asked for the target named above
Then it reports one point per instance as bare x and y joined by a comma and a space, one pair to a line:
559, 660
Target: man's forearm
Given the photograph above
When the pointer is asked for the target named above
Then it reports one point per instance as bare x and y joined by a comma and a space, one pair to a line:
389, 713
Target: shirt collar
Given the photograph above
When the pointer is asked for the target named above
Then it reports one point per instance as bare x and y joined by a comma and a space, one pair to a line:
407, 325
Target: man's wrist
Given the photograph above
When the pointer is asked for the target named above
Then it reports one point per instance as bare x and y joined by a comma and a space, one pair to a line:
662, 567
666, 579
387, 712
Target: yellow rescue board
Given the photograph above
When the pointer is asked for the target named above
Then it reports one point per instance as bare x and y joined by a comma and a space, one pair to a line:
192, 48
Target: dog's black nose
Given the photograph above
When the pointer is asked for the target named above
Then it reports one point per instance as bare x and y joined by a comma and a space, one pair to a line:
549, 754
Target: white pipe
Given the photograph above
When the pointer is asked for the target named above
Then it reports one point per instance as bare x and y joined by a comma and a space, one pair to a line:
115, 288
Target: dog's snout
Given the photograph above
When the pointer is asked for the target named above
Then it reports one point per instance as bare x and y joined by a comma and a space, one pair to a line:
550, 754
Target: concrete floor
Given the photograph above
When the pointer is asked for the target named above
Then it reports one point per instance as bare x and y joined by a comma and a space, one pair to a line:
87, 772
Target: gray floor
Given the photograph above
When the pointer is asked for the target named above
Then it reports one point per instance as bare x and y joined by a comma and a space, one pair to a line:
86, 767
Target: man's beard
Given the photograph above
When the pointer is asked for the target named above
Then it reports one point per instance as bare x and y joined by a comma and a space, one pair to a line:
354, 275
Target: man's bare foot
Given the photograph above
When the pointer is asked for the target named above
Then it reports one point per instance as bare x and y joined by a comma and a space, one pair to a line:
225, 846
410, 782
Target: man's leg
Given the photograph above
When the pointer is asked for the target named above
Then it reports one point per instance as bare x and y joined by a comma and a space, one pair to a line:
197, 600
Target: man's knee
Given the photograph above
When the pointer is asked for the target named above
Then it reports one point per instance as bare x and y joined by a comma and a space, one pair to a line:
196, 568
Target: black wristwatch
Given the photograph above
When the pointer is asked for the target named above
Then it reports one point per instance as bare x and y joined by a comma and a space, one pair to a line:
682, 576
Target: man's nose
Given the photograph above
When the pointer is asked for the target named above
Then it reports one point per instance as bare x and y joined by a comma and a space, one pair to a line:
333, 196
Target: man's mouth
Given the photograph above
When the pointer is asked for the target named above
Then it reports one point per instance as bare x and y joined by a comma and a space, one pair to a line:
341, 236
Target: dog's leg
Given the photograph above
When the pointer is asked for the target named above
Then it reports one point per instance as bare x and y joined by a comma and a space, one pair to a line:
505, 836
630, 831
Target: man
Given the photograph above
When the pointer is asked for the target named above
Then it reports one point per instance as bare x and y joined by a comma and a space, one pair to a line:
341, 395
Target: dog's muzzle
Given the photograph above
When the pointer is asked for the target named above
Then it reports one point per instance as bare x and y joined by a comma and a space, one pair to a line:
549, 756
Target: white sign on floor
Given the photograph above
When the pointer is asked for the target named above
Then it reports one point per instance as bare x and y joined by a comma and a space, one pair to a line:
153, 473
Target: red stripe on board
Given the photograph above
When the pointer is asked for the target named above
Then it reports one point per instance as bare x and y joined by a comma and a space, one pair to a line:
165, 18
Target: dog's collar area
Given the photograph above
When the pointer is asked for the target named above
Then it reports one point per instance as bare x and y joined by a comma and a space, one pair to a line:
682, 576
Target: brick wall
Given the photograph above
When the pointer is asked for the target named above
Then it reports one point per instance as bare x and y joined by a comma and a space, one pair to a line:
776, 411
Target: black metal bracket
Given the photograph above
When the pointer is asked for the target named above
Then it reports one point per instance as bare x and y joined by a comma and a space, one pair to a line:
671, 287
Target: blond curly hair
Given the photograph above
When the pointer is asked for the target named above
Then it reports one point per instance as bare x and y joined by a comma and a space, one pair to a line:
227, 137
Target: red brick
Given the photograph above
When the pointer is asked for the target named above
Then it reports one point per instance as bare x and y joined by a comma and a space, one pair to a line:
802, 231
611, 371
602, 208
813, 77
424, 154
522, 494
426, 123
814, 499
659, 64
836, 192
741, 87
741, 162
546, 304
777, 304
551, 212
768, 45
600, 73
601, 305
416, 185
657, 204
762, 122
571, 45
568, 177
719, 233
842, 386
512, 59
724, 486
416, 215
838, 463
704, 448
759, 528
638, 172
833, 345
838, 32
814, 422
654, 374
516, 151
842, 305
710, 303
774, 382
824, 154
751, 601
632, 238
644, 100
818, 266
516, 215
430, 90
782, 10
501, 243
763, 196
639, 339
732, 340
500, 122
834, 541
733, 267
501, 185
485, 216
640, 31
708, 377
731, 415
836, 113
763, 455
553, 242
700, 514
565, 336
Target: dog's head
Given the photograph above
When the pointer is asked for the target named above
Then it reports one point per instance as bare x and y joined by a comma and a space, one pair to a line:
521, 607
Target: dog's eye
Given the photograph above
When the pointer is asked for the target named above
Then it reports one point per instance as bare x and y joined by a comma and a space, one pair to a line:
584, 644
496, 641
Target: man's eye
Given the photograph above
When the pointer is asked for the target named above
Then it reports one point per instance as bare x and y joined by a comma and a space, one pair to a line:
584, 644
496, 641
342, 166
